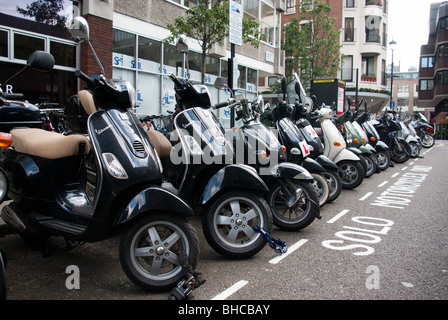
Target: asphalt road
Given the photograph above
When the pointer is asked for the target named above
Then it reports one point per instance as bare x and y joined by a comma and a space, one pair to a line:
385, 240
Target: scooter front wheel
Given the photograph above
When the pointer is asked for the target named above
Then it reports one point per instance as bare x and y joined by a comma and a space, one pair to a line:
229, 220
150, 250
427, 140
351, 173
293, 217
383, 157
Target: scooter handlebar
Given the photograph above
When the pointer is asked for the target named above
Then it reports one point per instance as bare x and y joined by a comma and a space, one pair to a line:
81, 75
175, 80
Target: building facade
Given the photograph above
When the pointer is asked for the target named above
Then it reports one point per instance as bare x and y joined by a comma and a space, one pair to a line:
433, 73
128, 38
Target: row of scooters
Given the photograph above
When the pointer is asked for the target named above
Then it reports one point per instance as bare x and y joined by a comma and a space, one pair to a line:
110, 176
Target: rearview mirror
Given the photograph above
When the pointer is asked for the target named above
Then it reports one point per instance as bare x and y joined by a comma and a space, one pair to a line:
79, 29
40, 61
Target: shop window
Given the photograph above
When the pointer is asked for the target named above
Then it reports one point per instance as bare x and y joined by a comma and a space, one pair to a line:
64, 55
3, 43
25, 45
149, 54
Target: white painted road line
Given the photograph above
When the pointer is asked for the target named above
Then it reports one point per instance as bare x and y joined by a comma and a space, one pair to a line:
395, 174
228, 292
404, 168
336, 217
382, 184
291, 249
368, 194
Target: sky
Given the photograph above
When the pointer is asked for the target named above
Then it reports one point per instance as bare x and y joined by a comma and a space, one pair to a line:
408, 25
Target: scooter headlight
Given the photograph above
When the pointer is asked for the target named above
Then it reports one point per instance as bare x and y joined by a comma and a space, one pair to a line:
349, 138
114, 166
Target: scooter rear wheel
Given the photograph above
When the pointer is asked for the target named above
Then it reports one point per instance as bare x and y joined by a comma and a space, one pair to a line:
228, 224
299, 216
335, 184
383, 157
149, 251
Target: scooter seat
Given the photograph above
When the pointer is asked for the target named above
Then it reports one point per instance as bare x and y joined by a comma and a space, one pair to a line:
160, 143
48, 144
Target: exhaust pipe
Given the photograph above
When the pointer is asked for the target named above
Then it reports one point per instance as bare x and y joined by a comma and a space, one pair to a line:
11, 218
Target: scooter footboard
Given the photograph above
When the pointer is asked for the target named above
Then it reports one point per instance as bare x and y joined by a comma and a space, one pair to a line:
233, 176
153, 199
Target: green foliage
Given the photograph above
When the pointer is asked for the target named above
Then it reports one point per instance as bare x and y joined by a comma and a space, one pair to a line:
45, 11
312, 43
208, 23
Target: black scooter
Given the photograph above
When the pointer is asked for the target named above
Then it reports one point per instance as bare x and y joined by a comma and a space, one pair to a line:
292, 195
90, 188
15, 111
299, 107
424, 130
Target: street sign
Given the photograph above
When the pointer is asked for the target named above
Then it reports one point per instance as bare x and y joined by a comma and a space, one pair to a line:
235, 23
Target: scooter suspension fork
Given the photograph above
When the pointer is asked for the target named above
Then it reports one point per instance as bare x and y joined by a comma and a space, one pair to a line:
292, 197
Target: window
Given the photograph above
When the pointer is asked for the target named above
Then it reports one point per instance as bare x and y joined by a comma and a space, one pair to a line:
427, 62
290, 6
349, 3
426, 85
349, 30
267, 22
368, 66
347, 68
25, 45
403, 88
3, 43
64, 54
372, 33
251, 9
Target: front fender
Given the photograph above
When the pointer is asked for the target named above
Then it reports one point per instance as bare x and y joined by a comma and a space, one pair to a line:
233, 176
380, 145
346, 155
312, 165
154, 198
326, 162
291, 171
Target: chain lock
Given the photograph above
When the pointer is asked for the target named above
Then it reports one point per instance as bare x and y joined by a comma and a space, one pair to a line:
272, 242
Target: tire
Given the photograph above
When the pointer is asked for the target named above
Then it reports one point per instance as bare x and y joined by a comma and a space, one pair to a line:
3, 287
334, 183
228, 220
427, 140
399, 156
415, 151
321, 187
351, 173
149, 251
383, 157
301, 214
371, 165
3, 186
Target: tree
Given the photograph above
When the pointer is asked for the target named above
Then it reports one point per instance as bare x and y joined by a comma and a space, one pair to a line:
311, 43
45, 11
208, 23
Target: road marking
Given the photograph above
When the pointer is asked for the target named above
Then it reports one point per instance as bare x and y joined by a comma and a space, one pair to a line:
395, 174
228, 292
404, 168
382, 184
336, 217
368, 194
291, 249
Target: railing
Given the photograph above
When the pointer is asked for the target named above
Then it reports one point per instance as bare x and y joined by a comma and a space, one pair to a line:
374, 3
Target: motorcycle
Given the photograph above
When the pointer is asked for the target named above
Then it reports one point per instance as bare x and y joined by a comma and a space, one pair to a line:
413, 141
16, 112
424, 130
293, 196
387, 127
358, 140
301, 108
350, 169
91, 187
382, 150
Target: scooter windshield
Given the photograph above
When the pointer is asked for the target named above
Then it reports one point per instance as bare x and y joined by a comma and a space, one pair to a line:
202, 137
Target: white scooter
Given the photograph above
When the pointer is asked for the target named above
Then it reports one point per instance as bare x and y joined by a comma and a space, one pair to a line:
350, 169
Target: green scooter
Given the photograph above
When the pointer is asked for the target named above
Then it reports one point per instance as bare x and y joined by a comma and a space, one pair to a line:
355, 140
